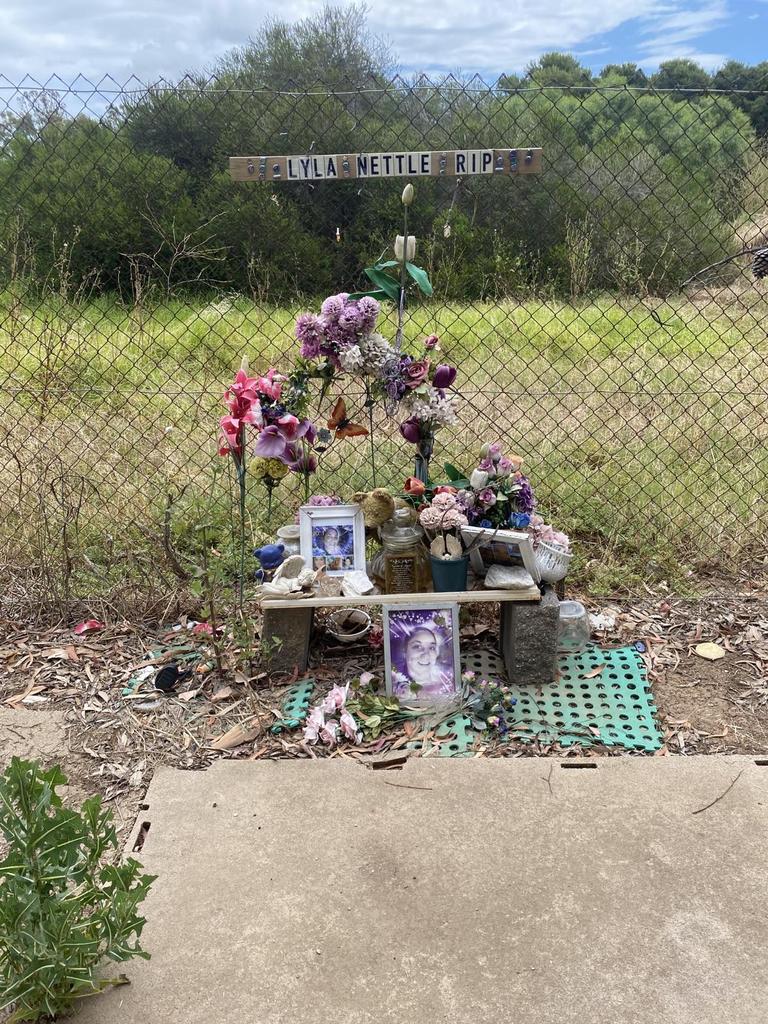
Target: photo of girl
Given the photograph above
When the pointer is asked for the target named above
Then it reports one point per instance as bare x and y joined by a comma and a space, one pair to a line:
421, 651
333, 547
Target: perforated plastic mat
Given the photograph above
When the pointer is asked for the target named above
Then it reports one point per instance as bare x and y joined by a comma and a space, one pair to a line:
295, 706
600, 696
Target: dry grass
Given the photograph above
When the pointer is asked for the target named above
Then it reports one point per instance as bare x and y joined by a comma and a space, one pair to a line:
642, 423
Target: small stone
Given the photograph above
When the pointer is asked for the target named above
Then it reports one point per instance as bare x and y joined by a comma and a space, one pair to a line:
508, 577
712, 652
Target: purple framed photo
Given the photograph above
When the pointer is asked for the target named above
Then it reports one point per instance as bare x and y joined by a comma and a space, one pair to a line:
421, 651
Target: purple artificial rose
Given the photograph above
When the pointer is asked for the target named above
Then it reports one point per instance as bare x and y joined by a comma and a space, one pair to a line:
432, 342
411, 430
416, 373
444, 376
486, 497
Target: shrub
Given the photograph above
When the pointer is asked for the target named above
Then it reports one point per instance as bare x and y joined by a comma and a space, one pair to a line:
62, 910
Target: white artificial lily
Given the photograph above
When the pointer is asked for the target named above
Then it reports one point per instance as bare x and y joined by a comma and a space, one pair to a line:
407, 195
410, 249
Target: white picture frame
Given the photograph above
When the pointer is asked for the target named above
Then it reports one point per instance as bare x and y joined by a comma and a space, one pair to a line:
320, 549
422, 637
483, 554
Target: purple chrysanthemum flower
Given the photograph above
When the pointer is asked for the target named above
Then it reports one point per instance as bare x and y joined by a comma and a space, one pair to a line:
369, 310
309, 331
333, 306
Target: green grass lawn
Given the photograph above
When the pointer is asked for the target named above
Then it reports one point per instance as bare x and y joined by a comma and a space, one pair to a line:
643, 426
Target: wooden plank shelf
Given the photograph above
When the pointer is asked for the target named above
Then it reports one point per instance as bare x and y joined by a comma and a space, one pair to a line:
459, 597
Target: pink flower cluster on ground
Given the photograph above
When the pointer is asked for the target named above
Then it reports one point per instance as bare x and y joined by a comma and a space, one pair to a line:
330, 721
257, 402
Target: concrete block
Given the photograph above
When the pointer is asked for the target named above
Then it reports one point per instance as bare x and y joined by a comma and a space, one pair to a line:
287, 633
528, 639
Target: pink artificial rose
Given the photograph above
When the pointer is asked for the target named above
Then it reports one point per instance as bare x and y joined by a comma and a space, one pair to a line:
349, 726
366, 678
315, 722
416, 373
329, 733
335, 699
432, 342
414, 487
446, 489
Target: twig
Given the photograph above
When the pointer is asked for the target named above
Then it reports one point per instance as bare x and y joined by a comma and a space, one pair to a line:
719, 263
719, 798
548, 779
402, 785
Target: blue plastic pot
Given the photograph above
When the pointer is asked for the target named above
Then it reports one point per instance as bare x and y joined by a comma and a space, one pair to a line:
449, 574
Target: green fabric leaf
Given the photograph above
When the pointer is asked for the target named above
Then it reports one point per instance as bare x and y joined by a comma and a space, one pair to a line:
420, 277
384, 281
377, 293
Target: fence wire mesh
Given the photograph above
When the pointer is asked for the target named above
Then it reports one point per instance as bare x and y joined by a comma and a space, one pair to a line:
603, 314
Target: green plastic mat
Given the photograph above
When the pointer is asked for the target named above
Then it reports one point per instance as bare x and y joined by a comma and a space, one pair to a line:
295, 706
600, 696
460, 728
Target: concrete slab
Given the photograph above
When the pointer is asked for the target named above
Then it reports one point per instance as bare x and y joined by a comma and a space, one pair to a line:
35, 735
454, 891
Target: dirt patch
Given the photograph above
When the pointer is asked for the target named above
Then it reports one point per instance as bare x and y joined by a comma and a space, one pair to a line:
77, 700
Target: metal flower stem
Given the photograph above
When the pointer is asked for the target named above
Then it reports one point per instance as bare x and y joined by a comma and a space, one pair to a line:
369, 404
241, 475
403, 280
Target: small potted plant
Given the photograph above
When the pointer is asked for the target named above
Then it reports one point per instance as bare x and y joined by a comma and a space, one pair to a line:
442, 520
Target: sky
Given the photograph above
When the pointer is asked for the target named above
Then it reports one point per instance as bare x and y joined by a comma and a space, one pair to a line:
164, 38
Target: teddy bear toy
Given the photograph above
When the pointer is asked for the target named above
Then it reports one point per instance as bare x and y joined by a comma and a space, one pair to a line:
270, 557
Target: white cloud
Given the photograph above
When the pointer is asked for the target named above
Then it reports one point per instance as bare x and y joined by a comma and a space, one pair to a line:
673, 33
153, 38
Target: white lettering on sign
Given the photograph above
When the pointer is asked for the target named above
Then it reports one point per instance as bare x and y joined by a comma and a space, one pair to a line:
386, 165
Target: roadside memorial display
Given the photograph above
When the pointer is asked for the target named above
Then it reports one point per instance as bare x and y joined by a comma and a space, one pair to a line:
399, 551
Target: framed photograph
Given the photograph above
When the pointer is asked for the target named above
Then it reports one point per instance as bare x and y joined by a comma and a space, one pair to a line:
333, 537
500, 547
421, 651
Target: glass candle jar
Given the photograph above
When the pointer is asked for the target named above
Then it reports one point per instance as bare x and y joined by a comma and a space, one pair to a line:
404, 565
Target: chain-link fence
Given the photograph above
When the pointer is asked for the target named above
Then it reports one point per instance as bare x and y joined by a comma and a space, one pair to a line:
592, 333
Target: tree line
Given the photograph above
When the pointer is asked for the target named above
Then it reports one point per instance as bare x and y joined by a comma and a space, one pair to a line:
647, 178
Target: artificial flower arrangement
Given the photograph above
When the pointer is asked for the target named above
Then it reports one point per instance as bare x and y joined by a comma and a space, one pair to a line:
343, 339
